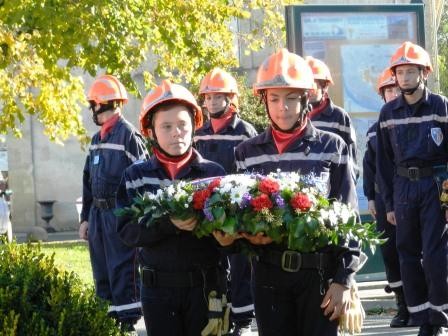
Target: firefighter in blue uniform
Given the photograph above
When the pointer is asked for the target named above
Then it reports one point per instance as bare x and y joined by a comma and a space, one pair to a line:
412, 135
178, 269
327, 116
388, 90
116, 146
216, 141
290, 300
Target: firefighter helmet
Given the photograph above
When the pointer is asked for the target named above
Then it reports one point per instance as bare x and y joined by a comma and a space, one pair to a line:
107, 88
320, 69
410, 53
164, 92
284, 69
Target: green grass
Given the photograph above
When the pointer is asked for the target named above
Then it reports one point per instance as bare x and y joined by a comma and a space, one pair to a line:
72, 256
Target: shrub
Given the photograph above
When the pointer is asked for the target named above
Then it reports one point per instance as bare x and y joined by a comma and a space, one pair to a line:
39, 299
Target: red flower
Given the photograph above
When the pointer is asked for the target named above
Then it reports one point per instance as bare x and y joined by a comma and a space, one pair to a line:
214, 184
301, 202
199, 198
269, 186
261, 202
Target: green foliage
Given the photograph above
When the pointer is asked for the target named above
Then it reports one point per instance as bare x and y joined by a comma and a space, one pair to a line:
36, 298
251, 107
42, 42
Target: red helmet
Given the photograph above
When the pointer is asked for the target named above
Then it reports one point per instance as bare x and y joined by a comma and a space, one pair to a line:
320, 69
284, 70
410, 53
164, 92
107, 88
386, 79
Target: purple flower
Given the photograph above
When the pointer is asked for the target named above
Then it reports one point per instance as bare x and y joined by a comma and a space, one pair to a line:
208, 214
279, 200
245, 201
208, 211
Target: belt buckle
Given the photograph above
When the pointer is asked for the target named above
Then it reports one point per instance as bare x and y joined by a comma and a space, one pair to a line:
291, 261
413, 173
102, 203
149, 277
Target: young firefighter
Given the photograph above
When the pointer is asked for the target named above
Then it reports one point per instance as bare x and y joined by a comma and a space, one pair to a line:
116, 146
327, 116
178, 270
292, 296
216, 141
412, 135
388, 90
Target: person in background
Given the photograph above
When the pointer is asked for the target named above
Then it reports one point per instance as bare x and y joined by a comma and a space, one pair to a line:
388, 91
412, 134
179, 270
116, 146
293, 294
327, 116
216, 141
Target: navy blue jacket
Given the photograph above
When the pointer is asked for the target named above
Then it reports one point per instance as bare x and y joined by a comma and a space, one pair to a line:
219, 147
410, 136
369, 164
336, 120
107, 160
164, 246
322, 153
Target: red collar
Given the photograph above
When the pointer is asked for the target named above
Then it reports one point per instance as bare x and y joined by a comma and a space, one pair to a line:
224, 121
319, 108
173, 165
108, 125
282, 140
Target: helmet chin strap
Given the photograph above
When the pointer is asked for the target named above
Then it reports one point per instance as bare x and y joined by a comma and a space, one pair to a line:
411, 91
219, 114
110, 106
155, 143
305, 108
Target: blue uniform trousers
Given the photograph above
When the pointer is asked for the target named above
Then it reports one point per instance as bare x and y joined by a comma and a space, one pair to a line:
240, 288
389, 248
113, 265
178, 311
288, 304
422, 246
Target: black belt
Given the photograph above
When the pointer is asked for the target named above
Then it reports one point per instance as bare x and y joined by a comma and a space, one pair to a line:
415, 173
292, 261
154, 278
104, 203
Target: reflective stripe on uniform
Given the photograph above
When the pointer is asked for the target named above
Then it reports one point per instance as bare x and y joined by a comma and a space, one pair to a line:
115, 147
413, 120
128, 306
298, 156
334, 125
135, 184
220, 137
245, 309
371, 135
396, 284
427, 305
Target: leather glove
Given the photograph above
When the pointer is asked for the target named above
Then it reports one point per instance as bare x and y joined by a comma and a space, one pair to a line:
353, 320
218, 322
